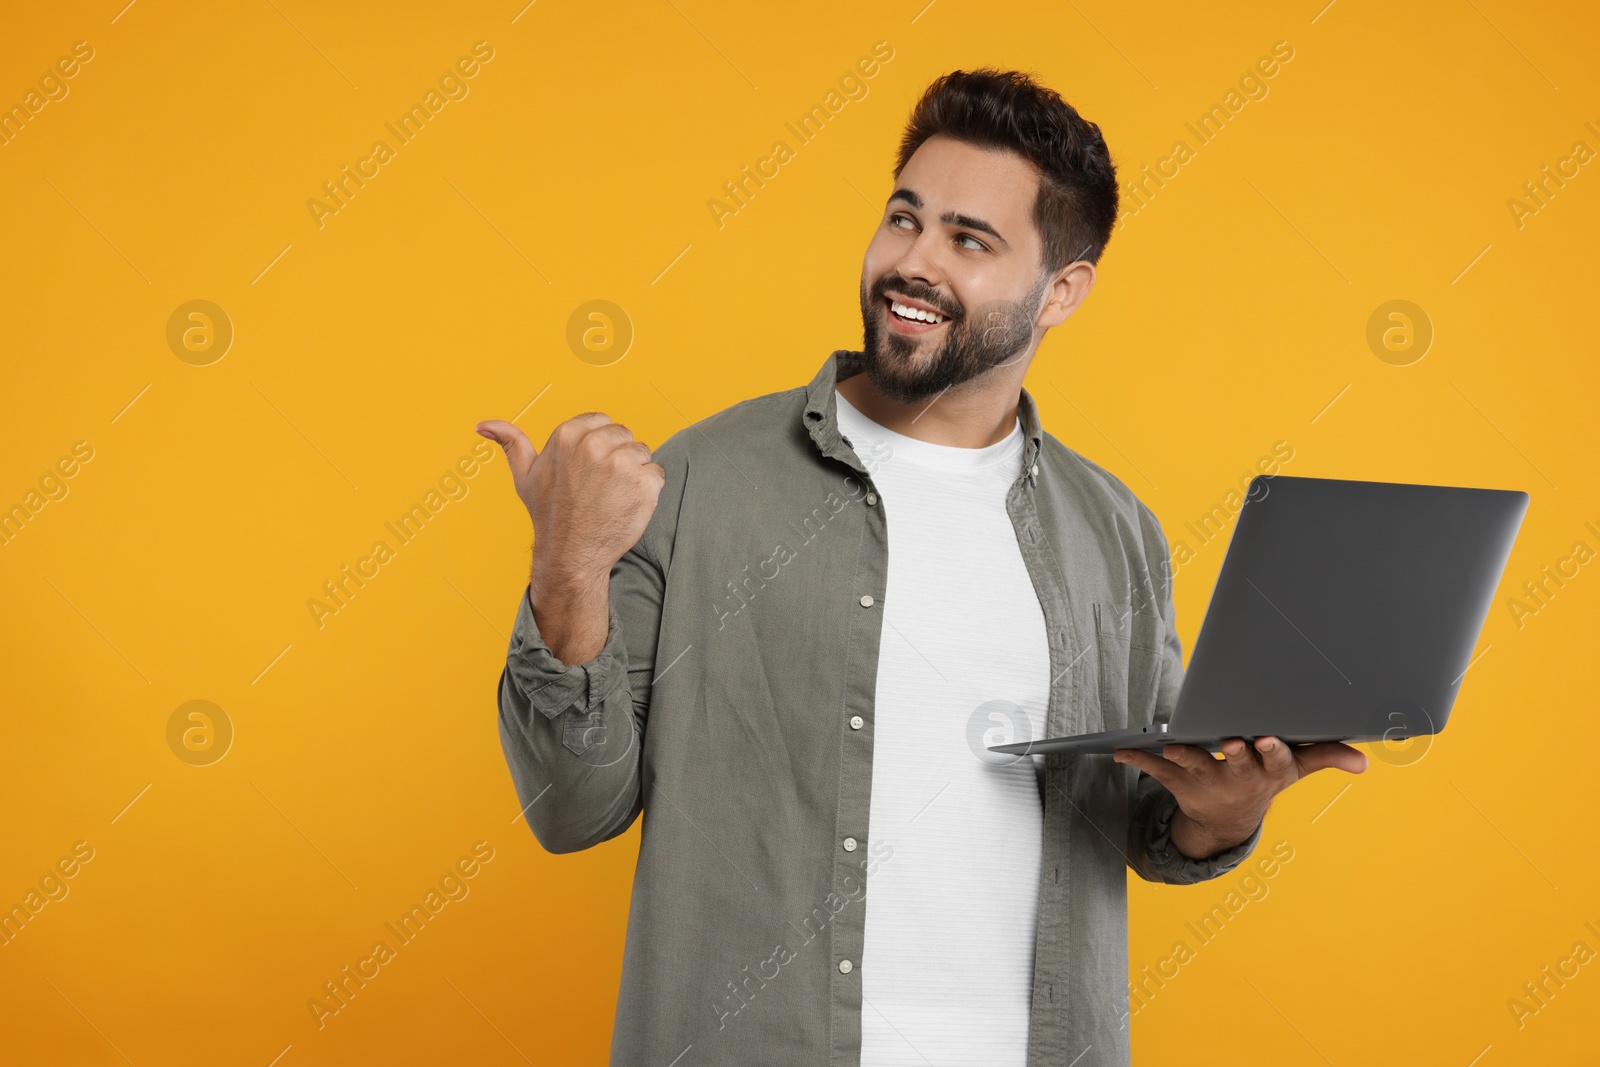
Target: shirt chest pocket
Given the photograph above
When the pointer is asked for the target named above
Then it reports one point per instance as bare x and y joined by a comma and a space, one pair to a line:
1129, 648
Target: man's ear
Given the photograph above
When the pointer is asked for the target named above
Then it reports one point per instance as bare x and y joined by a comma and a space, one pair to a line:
1068, 288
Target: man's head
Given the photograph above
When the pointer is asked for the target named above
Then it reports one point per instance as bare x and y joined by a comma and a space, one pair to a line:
1004, 200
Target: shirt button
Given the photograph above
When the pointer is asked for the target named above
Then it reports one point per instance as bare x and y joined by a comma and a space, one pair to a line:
844, 966
849, 844
872, 498
866, 602
1034, 470
856, 722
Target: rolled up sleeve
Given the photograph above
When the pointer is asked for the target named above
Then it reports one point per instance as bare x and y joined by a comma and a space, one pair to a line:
553, 687
573, 734
1155, 858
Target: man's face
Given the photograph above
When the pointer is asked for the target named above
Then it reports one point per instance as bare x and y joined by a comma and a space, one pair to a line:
957, 238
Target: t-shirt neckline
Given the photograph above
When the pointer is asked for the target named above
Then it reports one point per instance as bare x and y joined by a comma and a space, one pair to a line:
928, 453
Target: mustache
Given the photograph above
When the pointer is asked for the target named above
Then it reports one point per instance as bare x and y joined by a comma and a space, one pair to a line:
920, 293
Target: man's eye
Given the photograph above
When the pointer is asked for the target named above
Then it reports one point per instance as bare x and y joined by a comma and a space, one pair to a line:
974, 240
893, 219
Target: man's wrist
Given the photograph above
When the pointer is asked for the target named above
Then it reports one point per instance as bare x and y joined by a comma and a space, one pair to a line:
551, 580
1199, 842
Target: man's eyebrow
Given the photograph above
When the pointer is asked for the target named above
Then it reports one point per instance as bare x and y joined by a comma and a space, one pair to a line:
950, 218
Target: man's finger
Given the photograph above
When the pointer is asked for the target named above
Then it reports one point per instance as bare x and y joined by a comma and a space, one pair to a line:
1161, 769
1241, 758
1192, 758
518, 449
1330, 754
1275, 756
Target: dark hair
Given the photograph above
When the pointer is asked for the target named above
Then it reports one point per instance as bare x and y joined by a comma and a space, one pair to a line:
1077, 202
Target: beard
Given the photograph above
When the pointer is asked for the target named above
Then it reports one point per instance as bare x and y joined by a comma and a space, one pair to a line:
972, 344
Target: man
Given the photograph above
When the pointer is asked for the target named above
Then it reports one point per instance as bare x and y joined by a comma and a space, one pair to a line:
789, 634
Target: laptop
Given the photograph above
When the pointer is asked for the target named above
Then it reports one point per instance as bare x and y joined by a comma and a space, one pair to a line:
1344, 611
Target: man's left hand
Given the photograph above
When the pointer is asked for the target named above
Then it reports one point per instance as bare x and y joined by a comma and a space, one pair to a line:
1221, 802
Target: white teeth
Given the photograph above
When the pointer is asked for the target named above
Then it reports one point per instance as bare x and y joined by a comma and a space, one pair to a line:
905, 311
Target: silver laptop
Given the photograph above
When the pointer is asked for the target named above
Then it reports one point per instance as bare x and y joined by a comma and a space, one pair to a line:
1345, 611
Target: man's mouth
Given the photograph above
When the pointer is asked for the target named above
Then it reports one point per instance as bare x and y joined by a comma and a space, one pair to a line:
907, 317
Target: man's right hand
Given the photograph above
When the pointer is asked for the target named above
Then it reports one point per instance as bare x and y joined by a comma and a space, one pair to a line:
590, 493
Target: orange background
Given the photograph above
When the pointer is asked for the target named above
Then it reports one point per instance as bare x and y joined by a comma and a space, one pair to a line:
1231, 313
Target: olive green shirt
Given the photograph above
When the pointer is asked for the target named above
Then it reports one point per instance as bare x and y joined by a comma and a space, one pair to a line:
733, 705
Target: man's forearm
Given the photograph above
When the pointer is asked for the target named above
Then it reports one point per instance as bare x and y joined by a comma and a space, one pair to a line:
573, 613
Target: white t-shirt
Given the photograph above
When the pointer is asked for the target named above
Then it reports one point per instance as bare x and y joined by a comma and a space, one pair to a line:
964, 662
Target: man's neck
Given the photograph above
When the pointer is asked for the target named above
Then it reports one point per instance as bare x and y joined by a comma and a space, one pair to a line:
959, 417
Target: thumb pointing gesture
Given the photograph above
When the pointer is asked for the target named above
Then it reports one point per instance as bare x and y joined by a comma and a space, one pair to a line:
519, 451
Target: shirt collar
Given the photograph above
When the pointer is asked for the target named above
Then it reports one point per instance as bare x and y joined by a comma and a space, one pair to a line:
821, 415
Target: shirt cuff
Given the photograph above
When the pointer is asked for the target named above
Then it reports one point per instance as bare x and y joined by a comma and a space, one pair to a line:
552, 686
1179, 869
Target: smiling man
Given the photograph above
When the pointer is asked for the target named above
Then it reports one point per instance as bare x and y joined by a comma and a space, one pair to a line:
789, 634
